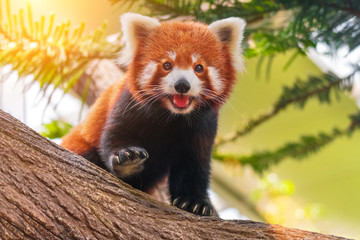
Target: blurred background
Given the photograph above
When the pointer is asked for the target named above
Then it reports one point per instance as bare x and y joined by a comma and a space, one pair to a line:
288, 146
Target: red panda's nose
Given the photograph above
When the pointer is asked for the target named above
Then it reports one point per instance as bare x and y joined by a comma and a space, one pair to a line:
182, 86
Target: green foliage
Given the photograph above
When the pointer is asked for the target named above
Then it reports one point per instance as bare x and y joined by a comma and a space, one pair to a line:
306, 145
298, 94
53, 54
320, 87
335, 22
56, 129
271, 186
355, 122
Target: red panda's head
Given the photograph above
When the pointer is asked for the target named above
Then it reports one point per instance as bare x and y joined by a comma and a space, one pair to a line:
181, 65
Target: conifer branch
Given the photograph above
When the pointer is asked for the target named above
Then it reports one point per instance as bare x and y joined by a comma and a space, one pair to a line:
306, 145
54, 53
310, 21
298, 94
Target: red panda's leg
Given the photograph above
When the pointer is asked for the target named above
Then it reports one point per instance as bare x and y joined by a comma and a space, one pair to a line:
190, 172
188, 185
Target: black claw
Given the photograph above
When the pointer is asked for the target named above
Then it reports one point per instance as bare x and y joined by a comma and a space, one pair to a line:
175, 202
130, 156
195, 206
117, 159
127, 154
184, 205
204, 210
143, 155
136, 152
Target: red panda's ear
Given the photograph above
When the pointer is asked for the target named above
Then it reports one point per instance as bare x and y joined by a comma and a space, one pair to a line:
134, 27
230, 31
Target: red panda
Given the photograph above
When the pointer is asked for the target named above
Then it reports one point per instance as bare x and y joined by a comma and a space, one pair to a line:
161, 118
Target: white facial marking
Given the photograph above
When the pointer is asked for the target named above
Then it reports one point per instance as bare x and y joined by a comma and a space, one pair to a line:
172, 55
216, 80
194, 57
176, 74
147, 74
168, 82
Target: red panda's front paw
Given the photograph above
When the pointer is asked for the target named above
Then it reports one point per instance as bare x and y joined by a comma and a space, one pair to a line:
195, 206
129, 161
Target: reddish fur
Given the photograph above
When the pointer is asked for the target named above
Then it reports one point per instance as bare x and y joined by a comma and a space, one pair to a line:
110, 128
87, 134
183, 38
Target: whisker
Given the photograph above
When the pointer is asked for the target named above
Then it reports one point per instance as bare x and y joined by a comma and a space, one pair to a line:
125, 110
147, 102
145, 96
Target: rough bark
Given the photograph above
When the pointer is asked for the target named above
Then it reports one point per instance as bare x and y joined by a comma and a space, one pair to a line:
47, 192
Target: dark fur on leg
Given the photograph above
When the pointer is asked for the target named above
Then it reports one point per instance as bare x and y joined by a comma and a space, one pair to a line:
177, 145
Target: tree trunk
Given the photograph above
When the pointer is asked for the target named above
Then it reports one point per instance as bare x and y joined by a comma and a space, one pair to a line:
47, 192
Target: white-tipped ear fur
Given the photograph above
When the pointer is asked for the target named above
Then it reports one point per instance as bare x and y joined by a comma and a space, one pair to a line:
230, 31
134, 27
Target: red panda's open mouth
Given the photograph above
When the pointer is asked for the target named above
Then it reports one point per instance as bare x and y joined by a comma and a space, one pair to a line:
181, 101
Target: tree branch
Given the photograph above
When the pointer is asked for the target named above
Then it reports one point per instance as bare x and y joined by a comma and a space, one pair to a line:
47, 192
286, 99
57, 56
260, 161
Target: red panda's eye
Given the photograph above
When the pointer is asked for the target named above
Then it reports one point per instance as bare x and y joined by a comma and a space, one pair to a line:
199, 68
167, 66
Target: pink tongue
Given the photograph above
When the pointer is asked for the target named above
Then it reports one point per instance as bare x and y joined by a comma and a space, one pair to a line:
181, 101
